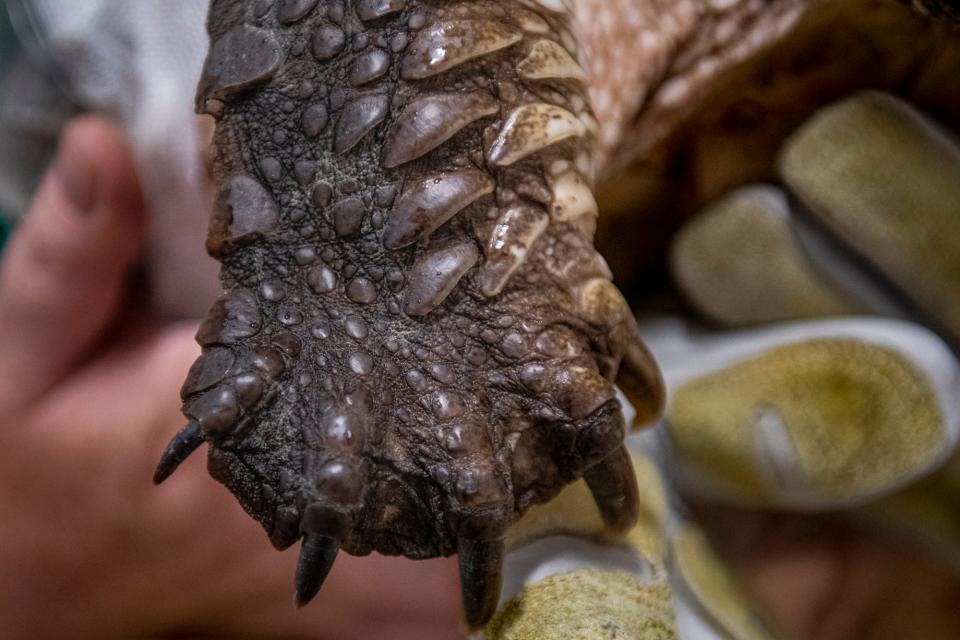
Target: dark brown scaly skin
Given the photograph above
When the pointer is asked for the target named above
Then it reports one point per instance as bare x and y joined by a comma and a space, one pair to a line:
417, 340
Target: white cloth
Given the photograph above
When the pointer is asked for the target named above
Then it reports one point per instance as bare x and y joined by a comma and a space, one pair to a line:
140, 62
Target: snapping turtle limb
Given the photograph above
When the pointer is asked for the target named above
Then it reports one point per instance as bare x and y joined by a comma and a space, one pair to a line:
417, 340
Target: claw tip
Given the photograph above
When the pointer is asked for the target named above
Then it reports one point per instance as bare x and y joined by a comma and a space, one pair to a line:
316, 558
177, 450
301, 600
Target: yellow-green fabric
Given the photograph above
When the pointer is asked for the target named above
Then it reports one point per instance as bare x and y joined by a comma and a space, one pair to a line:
858, 417
739, 263
883, 178
588, 605
594, 604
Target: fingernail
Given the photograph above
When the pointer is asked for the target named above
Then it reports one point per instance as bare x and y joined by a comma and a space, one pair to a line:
76, 177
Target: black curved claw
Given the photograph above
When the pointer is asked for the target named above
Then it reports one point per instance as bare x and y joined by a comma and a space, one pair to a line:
178, 449
481, 567
316, 558
614, 487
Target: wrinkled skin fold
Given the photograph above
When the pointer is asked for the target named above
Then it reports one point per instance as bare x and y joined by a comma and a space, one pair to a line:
417, 340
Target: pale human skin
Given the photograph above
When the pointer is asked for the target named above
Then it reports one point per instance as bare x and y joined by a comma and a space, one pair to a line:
88, 396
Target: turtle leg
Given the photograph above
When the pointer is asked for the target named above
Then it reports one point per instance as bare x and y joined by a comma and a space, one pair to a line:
417, 339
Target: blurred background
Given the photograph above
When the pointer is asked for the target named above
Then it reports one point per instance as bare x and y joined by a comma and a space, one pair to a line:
815, 178
788, 234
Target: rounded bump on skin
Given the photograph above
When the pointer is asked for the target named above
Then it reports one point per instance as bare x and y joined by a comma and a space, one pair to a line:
580, 391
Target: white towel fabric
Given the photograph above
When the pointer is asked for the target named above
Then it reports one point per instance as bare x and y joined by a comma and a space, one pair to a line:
140, 61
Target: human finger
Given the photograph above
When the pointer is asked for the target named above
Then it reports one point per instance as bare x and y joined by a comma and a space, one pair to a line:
62, 276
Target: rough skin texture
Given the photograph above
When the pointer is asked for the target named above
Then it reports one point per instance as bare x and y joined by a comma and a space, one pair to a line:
417, 340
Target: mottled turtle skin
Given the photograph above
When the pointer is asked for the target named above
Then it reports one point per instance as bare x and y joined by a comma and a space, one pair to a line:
417, 340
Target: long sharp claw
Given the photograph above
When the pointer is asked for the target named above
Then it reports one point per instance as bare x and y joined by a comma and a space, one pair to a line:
481, 566
316, 558
178, 449
640, 379
614, 487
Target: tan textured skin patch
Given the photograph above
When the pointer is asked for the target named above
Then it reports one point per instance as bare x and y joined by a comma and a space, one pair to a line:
649, 58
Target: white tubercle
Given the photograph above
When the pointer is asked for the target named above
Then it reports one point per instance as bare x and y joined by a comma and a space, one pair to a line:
530, 128
548, 60
573, 201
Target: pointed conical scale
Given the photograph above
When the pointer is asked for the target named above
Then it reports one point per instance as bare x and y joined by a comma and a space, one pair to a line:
360, 117
516, 231
531, 128
431, 120
178, 449
446, 44
317, 554
291, 11
573, 202
431, 202
244, 210
601, 303
241, 58
368, 10
548, 60
557, 7
435, 275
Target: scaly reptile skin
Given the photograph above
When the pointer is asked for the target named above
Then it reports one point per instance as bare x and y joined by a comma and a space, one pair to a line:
417, 340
